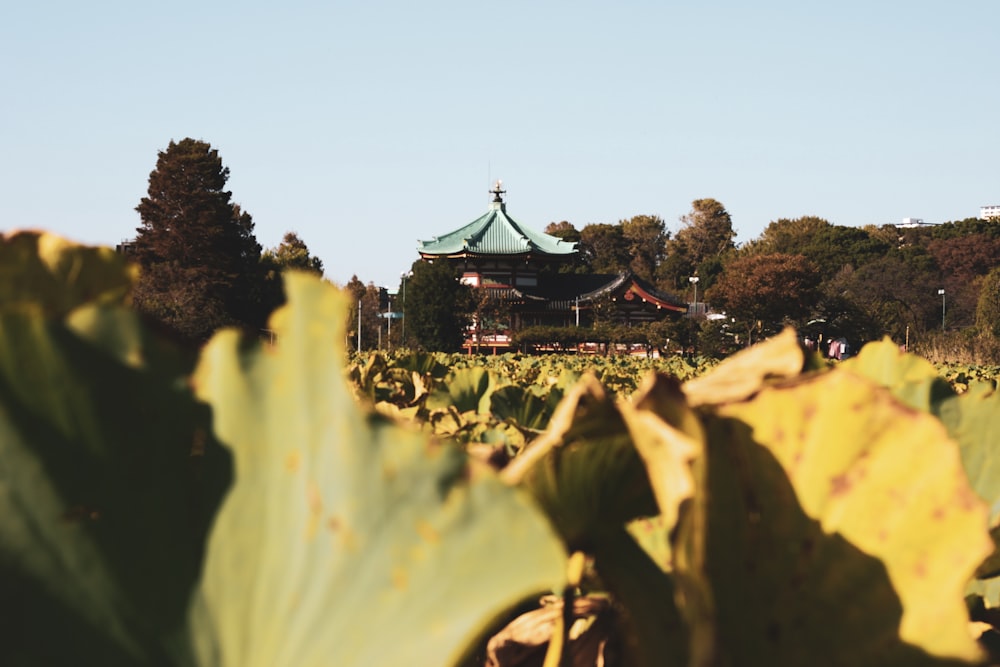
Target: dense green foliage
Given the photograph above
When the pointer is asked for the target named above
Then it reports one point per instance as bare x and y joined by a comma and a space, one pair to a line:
437, 308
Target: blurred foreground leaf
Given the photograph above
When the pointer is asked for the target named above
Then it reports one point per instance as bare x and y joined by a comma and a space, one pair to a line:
841, 525
346, 539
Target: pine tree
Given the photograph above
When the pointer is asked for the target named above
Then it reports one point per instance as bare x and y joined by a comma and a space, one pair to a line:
199, 258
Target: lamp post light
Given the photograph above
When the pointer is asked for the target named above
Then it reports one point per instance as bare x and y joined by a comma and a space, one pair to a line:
694, 281
941, 292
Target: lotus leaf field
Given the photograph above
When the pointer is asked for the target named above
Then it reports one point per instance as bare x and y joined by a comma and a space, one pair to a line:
284, 503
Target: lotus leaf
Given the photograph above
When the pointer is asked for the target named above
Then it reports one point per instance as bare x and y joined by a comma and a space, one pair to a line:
747, 371
830, 500
108, 473
346, 539
466, 390
56, 275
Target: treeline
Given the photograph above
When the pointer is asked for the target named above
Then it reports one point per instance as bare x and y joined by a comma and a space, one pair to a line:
202, 268
912, 284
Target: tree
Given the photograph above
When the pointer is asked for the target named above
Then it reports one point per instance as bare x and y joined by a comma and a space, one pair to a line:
770, 289
605, 248
646, 236
790, 236
706, 236
564, 230
988, 308
437, 306
367, 298
196, 248
291, 253
895, 292
835, 246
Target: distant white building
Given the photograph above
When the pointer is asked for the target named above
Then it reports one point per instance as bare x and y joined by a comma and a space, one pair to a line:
989, 212
910, 223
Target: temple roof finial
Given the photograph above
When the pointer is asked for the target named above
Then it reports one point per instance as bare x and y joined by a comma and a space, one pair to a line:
497, 191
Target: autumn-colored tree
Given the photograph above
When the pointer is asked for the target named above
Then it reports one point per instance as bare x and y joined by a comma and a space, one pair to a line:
366, 300
966, 257
766, 291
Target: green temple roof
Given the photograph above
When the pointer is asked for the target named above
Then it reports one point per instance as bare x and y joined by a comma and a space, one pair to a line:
496, 233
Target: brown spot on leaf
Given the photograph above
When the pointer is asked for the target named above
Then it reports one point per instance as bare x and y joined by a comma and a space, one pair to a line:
840, 484
967, 500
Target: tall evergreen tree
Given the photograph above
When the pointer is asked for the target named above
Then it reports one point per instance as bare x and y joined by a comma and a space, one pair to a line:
199, 258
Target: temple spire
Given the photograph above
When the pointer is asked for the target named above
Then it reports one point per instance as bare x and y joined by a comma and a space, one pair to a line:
497, 201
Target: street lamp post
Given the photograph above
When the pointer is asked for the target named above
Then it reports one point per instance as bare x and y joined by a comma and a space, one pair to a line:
694, 281
941, 292
402, 332
388, 317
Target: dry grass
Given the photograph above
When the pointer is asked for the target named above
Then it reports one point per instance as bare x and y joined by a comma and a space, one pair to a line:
959, 348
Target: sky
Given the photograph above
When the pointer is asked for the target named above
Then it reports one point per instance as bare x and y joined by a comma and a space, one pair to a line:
365, 126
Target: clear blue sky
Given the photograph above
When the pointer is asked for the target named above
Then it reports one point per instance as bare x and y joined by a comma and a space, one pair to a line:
365, 126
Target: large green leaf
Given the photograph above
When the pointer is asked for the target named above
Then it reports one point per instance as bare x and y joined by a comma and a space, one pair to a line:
108, 479
911, 379
467, 390
347, 540
841, 525
973, 420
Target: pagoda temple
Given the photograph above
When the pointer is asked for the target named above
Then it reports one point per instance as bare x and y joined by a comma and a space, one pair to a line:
519, 267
